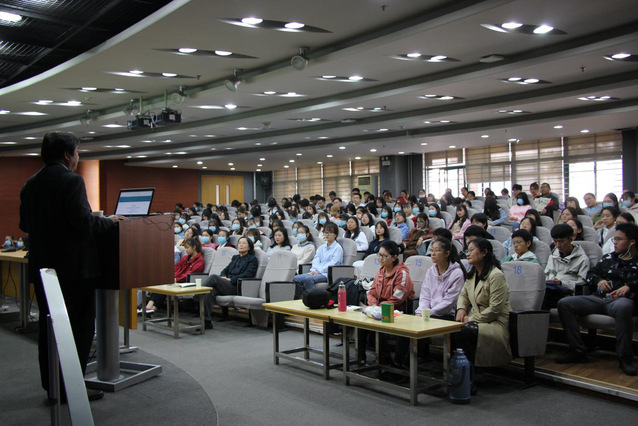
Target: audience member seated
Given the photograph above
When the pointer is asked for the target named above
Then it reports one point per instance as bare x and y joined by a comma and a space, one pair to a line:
546, 201
392, 284
434, 211
23, 243
630, 204
329, 254
592, 208
615, 282
606, 224
609, 200
625, 217
483, 306
223, 240
460, 223
207, 239
533, 213
354, 233
242, 265
305, 247
513, 200
399, 222
481, 220
495, 214
443, 281
566, 214
237, 227
577, 226
8, 242
367, 220
522, 241
192, 263
189, 233
567, 266
519, 209
471, 233
574, 204
177, 229
386, 214
417, 237
280, 241
255, 236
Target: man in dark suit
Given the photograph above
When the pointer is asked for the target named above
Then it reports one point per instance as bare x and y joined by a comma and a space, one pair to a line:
54, 210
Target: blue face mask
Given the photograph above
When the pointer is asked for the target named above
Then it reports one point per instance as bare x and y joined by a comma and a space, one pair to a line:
221, 240
19, 244
627, 203
607, 204
181, 221
342, 223
415, 210
212, 228
519, 202
235, 226
251, 238
293, 220
384, 214
322, 221
294, 231
205, 240
177, 230
7, 243
301, 238
397, 209
252, 227
432, 213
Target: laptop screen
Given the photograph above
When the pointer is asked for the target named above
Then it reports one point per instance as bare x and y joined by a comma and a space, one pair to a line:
135, 202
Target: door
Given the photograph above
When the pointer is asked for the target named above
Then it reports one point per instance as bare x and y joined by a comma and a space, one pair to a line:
220, 189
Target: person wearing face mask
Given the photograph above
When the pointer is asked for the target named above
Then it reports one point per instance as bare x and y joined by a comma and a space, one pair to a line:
609, 200
8, 242
23, 243
305, 247
629, 203
567, 266
517, 211
614, 283
386, 214
322, 220
207, 239
254, 236
242, 265
223, 239
237, 227
178, 230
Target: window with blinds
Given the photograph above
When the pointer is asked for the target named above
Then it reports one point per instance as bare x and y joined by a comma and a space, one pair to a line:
309, 181
489, 167
336, 177
539, 161
444, 169
284, 184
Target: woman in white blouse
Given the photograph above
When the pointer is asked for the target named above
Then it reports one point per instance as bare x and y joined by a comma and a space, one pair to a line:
305, 247
354, 233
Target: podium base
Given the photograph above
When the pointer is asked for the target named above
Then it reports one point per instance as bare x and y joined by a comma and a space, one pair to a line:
126, 349
131, 373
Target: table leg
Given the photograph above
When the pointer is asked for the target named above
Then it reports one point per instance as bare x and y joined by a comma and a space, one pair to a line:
176, 317
201, 313
413, 370
275, 337
144, 310
445, 364
346, 353
24, 296
306, 337
326, 351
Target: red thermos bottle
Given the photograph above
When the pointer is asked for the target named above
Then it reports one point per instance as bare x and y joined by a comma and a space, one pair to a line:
342, 302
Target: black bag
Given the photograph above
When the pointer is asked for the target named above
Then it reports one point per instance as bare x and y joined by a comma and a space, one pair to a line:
318, 298
355, 293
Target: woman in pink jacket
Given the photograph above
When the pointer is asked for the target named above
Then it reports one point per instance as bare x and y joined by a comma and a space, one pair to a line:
460, 223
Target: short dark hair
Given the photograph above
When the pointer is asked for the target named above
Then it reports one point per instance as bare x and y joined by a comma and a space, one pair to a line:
524, 234
562, 231
442, 233
517, 187
629, 229
331, 227
393, 248
56, 144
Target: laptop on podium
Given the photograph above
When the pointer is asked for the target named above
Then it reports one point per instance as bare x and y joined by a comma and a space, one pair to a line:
134, 202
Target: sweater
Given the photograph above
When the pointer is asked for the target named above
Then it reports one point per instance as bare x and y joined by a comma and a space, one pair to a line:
188, 265
240, 267
395, 288
304, 252
439, 293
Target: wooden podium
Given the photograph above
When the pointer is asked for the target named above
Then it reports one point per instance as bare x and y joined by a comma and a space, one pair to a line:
139, 253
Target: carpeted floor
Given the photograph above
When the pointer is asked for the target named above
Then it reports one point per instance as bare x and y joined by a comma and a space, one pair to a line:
233, 365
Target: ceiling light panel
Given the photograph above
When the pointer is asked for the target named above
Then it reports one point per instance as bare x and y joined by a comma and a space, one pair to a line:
226, 54
254, 22
419, 57
514, 27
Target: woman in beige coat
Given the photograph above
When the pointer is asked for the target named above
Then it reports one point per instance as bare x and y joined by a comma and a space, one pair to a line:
484, 307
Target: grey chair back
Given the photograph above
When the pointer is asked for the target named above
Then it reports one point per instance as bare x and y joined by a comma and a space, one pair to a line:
233, 239
370, 267
314, 232
227, 223
418, 266
293, 240
368, 233
585, 220
457, 244
287, 223
265, 242
451, 210
471, 212
447, 217
526, 281
395, 234
547, 222
500, 233
308, 222
262, 259
281, 267
209, 256
176, 238
222, 258
265, 231
593, 251
499, 250
436, 223
544, 235
542, 252
590, 234
349, 250
342, 233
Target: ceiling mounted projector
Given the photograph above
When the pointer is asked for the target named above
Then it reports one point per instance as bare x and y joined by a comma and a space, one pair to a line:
232, 83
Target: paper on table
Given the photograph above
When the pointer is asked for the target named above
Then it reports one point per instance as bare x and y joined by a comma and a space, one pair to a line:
186, 285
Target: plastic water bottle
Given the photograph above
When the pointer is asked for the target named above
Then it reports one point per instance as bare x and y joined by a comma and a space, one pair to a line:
341, 298
459, 378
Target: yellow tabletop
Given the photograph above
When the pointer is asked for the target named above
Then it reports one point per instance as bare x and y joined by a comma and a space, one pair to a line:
14, 256
404, 325
296, 307
176, 290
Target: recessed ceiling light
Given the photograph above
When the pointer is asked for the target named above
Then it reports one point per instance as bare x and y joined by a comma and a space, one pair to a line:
342, 147
558, 126
323, 137
440, 97
230, 106
136, 72
383, 130
259, 165
373, 150
438, 57
231, 164
10, 17
598, 98
424, 143
291, 161
232, 168
113, 125
525, 80
140, 156
294, 25
205, 167
452, 146
329, 156
89, 89
355, 78
181, 152
4, 111
209, 136
584, 131
543, 29
512, 140
223, 53
200, 162
319, 162
511, 25
516, 27
30, 138
117, 146
169, 74
621, 55
31, 113
401, 152
514, 79
262, 159
420, 57
299, 154
167, 141
485, 136
413, 55
357, 158
32, 154
270, 92
242, 128
531, 80
74, 103
445, 121
286, 166
8, 143
187, 50
258, 170
252, 21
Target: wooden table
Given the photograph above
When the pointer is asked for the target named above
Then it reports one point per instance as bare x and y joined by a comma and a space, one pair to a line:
297, 308
411, 327
19, 258
173, 322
